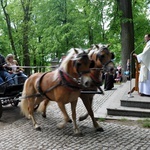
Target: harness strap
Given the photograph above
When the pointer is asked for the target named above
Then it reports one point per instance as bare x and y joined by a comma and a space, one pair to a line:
43, 93
67, 80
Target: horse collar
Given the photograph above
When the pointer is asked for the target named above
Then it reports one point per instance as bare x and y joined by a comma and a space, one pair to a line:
69, 81
95, 80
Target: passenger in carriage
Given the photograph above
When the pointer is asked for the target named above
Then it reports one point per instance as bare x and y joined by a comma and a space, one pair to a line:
144, 76
4, 75
17, 72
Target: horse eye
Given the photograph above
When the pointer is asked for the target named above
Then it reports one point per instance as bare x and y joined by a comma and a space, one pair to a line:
102, 56
78, 64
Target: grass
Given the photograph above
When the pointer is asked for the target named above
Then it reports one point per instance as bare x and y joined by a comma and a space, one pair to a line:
101, 119
145, 123
123, 119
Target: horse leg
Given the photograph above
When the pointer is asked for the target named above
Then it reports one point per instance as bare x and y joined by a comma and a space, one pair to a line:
87, 104
83, 117
66, 116
42, 107
31, 110
75, 127
46, 102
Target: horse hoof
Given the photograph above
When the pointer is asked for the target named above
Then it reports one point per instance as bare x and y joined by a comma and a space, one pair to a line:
100, 129
60, 125
70, 121
38, 128
43, 115
83, 117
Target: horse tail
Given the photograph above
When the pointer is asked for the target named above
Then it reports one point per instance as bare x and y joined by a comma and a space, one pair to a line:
43, 105
24, 101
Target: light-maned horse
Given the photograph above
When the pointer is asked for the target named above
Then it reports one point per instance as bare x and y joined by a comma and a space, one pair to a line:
60, 85
102, 58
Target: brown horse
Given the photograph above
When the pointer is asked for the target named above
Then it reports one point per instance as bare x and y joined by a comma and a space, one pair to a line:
60, 85
102, 57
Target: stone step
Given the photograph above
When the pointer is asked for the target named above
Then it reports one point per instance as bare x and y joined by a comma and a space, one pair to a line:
130, 112
136, 103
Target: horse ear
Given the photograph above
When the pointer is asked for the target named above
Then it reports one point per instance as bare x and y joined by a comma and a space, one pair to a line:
97, 46
75, 51
92, 64
88, 50
108, 45
112, 55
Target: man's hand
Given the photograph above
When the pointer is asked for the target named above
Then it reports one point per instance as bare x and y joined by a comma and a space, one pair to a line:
135, 55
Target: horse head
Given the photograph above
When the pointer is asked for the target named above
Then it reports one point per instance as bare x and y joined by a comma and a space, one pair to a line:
77, 64
102, 56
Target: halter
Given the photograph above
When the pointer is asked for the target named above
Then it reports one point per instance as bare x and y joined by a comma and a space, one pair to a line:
80, 73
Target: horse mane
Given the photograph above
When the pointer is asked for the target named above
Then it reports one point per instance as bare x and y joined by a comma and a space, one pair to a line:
71, 54
64, 64
96, 48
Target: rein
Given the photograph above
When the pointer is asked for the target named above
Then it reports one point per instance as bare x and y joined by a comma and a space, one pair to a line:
96, 81
107, 63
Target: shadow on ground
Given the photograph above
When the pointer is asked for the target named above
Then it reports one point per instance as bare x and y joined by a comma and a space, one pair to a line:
10, 114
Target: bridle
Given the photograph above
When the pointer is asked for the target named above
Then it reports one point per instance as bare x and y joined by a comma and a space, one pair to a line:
75, 64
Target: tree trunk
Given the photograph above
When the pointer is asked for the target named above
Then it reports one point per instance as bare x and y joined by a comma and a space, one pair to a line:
25, 45
127, 33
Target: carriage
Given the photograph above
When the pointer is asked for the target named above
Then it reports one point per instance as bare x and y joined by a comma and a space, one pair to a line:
9, 94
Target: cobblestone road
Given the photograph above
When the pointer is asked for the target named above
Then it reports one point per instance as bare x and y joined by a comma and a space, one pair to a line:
20, 135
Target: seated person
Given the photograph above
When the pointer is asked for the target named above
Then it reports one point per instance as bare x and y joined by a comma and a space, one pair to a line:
4, 75
13, 69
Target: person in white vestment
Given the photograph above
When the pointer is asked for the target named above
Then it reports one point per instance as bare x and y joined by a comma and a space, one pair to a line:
144, 60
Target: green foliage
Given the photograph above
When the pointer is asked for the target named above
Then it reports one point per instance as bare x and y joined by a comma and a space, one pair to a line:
58, 25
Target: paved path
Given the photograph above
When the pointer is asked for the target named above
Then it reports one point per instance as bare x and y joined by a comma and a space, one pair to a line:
19, 134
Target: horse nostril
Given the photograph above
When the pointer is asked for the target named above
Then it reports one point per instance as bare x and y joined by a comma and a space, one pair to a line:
87, 84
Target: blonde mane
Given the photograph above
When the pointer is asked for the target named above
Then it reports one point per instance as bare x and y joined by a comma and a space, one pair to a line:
64, 64
95, 49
